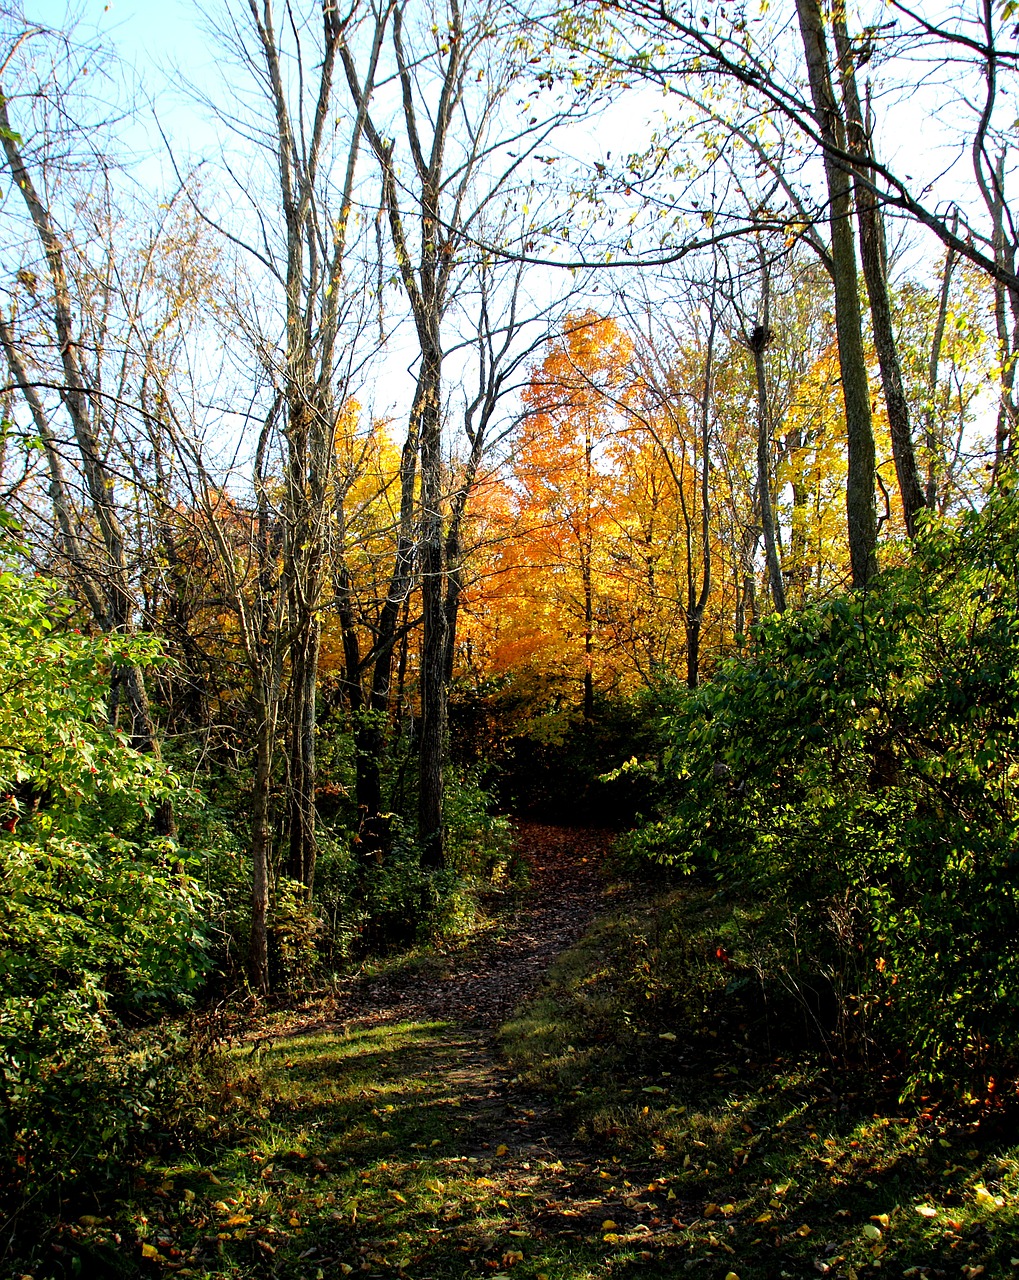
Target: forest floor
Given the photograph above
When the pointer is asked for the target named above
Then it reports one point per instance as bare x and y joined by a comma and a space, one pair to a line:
527, 1107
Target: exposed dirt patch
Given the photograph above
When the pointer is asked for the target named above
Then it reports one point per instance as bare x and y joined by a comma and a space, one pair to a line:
480, 986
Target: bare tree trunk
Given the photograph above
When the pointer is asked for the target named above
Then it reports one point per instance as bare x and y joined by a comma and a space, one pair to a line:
930, 415
261, 844
433, 647
874, 256
759, 340
861, 516
990, 176
696, 607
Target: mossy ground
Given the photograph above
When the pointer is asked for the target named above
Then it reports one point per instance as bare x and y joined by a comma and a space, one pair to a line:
600, 1135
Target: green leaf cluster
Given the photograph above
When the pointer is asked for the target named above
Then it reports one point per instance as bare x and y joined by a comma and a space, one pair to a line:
101, 925
858, 768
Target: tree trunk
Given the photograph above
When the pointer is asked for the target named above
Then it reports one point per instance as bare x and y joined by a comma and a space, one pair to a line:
874, 256
433, 647
758, 341
930, 416
861, 516
693, 649
261, 841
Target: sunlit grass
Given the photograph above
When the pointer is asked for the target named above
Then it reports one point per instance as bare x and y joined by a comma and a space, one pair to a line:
692, 1144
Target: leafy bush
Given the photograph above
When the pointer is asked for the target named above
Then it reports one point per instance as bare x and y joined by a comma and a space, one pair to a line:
99, 924
859, 769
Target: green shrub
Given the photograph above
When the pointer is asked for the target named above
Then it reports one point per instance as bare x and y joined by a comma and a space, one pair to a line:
858, 767
100, 925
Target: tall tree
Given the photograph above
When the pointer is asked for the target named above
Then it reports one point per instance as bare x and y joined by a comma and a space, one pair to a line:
91, 537
860, 509
874, 255
450, 64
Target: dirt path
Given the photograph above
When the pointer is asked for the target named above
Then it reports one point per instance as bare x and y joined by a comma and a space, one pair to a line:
380, 1133
479, 987
512, 1183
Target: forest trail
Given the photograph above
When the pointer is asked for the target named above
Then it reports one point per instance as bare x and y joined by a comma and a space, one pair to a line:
390, 1136
479, 986
404, 1126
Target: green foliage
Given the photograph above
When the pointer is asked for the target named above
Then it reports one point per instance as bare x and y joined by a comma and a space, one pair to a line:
98, 922
858, 767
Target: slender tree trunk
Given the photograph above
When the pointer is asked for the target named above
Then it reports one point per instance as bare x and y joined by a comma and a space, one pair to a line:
861, 516
934, 446
433, 647
758, 341
588, 638
261, 845
874, 256
302, 817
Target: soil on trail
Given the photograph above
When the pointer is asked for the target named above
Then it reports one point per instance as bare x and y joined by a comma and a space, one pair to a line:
534, 1180
480, 986
472, 991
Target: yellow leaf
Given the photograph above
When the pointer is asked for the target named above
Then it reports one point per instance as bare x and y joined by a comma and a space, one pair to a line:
610, 1237
727, 1210
985, 1199
881, 1219
148, 1251
732, 1276
608, 1225
763, 1217
398, 1198
803, 1231
238, 1220
501, 1149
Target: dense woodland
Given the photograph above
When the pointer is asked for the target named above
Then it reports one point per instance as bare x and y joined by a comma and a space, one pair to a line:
502, 411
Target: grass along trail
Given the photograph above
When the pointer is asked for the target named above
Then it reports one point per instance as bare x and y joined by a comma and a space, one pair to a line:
583, 1092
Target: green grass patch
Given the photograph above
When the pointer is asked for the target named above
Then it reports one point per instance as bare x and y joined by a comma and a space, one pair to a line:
693, 1076
658, 1113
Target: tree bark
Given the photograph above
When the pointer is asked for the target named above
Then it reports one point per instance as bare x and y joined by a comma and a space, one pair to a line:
759, 340
433, 646
261, 844
874, 256
861, 516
